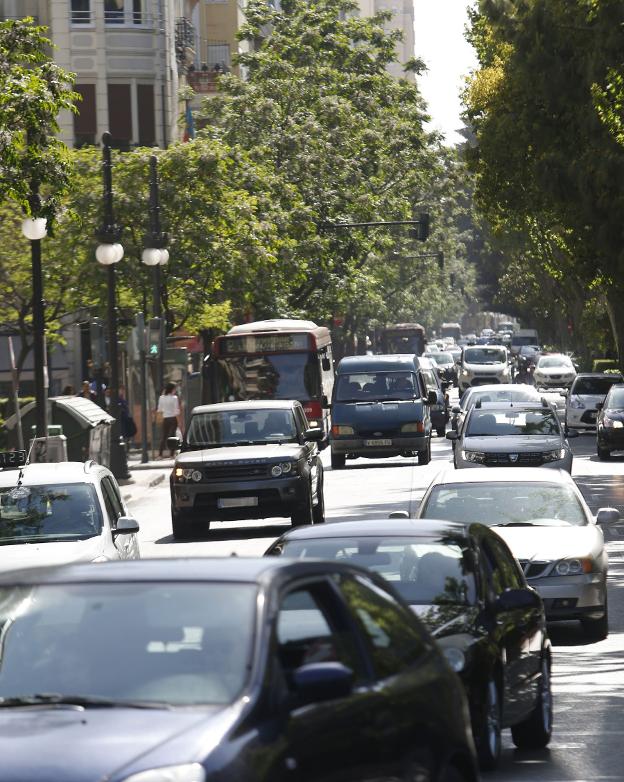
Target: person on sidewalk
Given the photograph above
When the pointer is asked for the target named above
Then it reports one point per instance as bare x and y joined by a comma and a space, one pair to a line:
169, 409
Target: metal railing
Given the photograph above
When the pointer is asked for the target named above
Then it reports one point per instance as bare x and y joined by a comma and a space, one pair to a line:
81, 17
184, 38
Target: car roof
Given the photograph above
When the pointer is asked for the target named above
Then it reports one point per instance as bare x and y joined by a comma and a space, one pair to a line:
518, 405
450, 475
500, 387
58, 472
377, 527
599, 374
399, 361
251, 404
249, 570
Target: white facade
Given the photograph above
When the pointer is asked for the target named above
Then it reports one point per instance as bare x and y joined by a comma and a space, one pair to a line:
402, 19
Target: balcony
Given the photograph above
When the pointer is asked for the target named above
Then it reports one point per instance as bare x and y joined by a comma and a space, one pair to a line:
184, 40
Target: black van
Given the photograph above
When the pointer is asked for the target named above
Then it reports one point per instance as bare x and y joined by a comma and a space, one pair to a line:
380, 407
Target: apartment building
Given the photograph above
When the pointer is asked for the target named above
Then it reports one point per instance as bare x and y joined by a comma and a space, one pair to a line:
128, 57
402, 19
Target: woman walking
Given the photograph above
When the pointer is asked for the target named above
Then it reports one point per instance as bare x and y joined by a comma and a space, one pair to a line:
169, 408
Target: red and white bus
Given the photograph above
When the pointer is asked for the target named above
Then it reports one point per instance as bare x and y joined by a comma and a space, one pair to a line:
274, 359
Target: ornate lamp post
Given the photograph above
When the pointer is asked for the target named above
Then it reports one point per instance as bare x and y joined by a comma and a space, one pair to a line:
108, 253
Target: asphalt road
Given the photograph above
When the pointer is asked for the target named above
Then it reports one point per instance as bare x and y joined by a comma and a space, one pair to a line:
588, 678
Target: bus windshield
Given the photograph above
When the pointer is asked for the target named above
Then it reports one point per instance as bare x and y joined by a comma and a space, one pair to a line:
273, 376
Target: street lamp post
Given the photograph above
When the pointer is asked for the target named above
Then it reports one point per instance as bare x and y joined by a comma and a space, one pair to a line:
156, 255
108, 253
35, 229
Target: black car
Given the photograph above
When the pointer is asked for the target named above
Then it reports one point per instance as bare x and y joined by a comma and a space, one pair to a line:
610, 423
439, 412
242, 460
466, 586
222, 670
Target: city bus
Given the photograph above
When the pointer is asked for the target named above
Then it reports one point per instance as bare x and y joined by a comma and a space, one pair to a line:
274, 359
403, 338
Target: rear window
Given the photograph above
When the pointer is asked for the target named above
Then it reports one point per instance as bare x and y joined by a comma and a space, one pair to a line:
616, 399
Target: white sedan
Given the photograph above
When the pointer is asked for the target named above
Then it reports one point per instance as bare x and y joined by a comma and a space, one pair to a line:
554, 371
543, 518
55, 514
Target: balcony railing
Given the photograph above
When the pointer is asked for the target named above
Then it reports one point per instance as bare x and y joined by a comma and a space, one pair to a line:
184, 39
81, 17
118, 17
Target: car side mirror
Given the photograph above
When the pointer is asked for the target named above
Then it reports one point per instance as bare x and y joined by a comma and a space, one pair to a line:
126, 526
314, 434
563, 393
318, 682
456, 410
571, 434
451, 435
432, 398
173, 443
607, 516
398, 514
517, 599
325, 364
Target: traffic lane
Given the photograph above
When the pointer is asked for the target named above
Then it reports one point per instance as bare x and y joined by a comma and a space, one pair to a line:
366, 488
601, 482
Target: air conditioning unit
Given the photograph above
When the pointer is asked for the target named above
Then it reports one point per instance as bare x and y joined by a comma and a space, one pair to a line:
49, 449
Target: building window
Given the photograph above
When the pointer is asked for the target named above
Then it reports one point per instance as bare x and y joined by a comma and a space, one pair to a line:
120, 115
123, 11
146, 114
85, 122
81, 11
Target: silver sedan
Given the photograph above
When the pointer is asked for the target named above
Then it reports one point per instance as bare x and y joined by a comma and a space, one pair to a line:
548, 526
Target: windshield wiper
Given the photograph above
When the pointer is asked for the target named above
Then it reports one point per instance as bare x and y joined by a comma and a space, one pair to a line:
516, 524
89, 701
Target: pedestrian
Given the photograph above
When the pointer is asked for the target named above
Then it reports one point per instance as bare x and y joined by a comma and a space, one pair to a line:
86, 391
126, 421
68, 391
169, 409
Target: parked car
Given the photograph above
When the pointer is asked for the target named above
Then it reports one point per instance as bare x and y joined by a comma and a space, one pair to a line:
53, 514
381, 407
465, 585
610, 423
521, 434
500, 392
554, 370
482, 364
440, 411
586, 392
222, 670
544, 519
246, 460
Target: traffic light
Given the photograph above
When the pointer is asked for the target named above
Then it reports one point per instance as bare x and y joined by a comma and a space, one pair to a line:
420, 231
97, 340
154, 338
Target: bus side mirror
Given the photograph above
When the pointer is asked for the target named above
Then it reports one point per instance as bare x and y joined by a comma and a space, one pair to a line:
325, 364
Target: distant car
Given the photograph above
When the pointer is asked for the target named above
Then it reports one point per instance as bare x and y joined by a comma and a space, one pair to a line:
223, 670
247, 460
440, 410
482, 364
586, 392
465, 585
554, 370
522, 434
544, 519
55, 514
500, 392
446, 366
610, 423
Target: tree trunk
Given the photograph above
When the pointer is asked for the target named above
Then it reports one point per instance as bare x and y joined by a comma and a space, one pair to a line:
615, 309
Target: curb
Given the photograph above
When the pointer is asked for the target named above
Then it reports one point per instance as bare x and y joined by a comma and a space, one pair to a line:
155, 481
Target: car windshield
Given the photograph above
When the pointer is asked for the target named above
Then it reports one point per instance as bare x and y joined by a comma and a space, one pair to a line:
485, 356
172, 643
505, 503
442, 358
549, 362
594, 386
55, 512
371, 386
234, 427
423, 570
495, 423
528, 394
616, 399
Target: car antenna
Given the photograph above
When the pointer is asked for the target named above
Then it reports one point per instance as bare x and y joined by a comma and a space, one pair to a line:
20, 476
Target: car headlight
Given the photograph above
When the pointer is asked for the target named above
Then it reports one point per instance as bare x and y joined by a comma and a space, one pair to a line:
473, 456
339, 430
573, 567
283, 468
189, 772
183, 474
553, 456
611, 423
455, 658
416, 426
576, 403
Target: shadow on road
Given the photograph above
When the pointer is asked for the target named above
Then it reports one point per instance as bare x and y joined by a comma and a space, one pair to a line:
231, 533
567, 634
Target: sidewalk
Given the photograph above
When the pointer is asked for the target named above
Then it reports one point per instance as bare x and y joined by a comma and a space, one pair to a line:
144, 477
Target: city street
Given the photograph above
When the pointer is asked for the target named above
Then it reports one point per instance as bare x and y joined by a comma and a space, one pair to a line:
588, 678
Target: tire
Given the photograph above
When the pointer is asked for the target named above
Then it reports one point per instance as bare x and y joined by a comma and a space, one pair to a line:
597, 629
441, 431
488, 733
452, 774
183, 526
304, 514
535, 731
604, 454
424, 457
338, 461
318, 510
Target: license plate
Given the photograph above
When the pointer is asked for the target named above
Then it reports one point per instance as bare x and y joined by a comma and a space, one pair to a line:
237, 502
373, 443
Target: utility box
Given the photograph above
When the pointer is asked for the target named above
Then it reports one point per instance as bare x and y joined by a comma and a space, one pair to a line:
49, 449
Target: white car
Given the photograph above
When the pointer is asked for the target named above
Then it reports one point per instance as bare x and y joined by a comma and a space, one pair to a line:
586, 393
543, 518
56, 514
483, 364
499, 392
555, 370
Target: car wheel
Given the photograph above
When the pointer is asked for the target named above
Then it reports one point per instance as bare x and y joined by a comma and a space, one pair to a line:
452, 774
424, 457
534, 732
338, 460
597, 629
318, 511
603, 453
441, 431
304, 514
182, 524
488, 733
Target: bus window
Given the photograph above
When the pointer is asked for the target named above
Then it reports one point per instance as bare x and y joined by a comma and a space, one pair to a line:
285, 376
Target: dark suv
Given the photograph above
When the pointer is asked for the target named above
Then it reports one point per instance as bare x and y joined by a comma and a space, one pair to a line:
243, 460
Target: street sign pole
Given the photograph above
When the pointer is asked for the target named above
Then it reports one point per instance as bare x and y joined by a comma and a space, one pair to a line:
141, 340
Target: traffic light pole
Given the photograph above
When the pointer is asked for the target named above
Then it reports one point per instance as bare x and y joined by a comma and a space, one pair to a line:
157, 239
